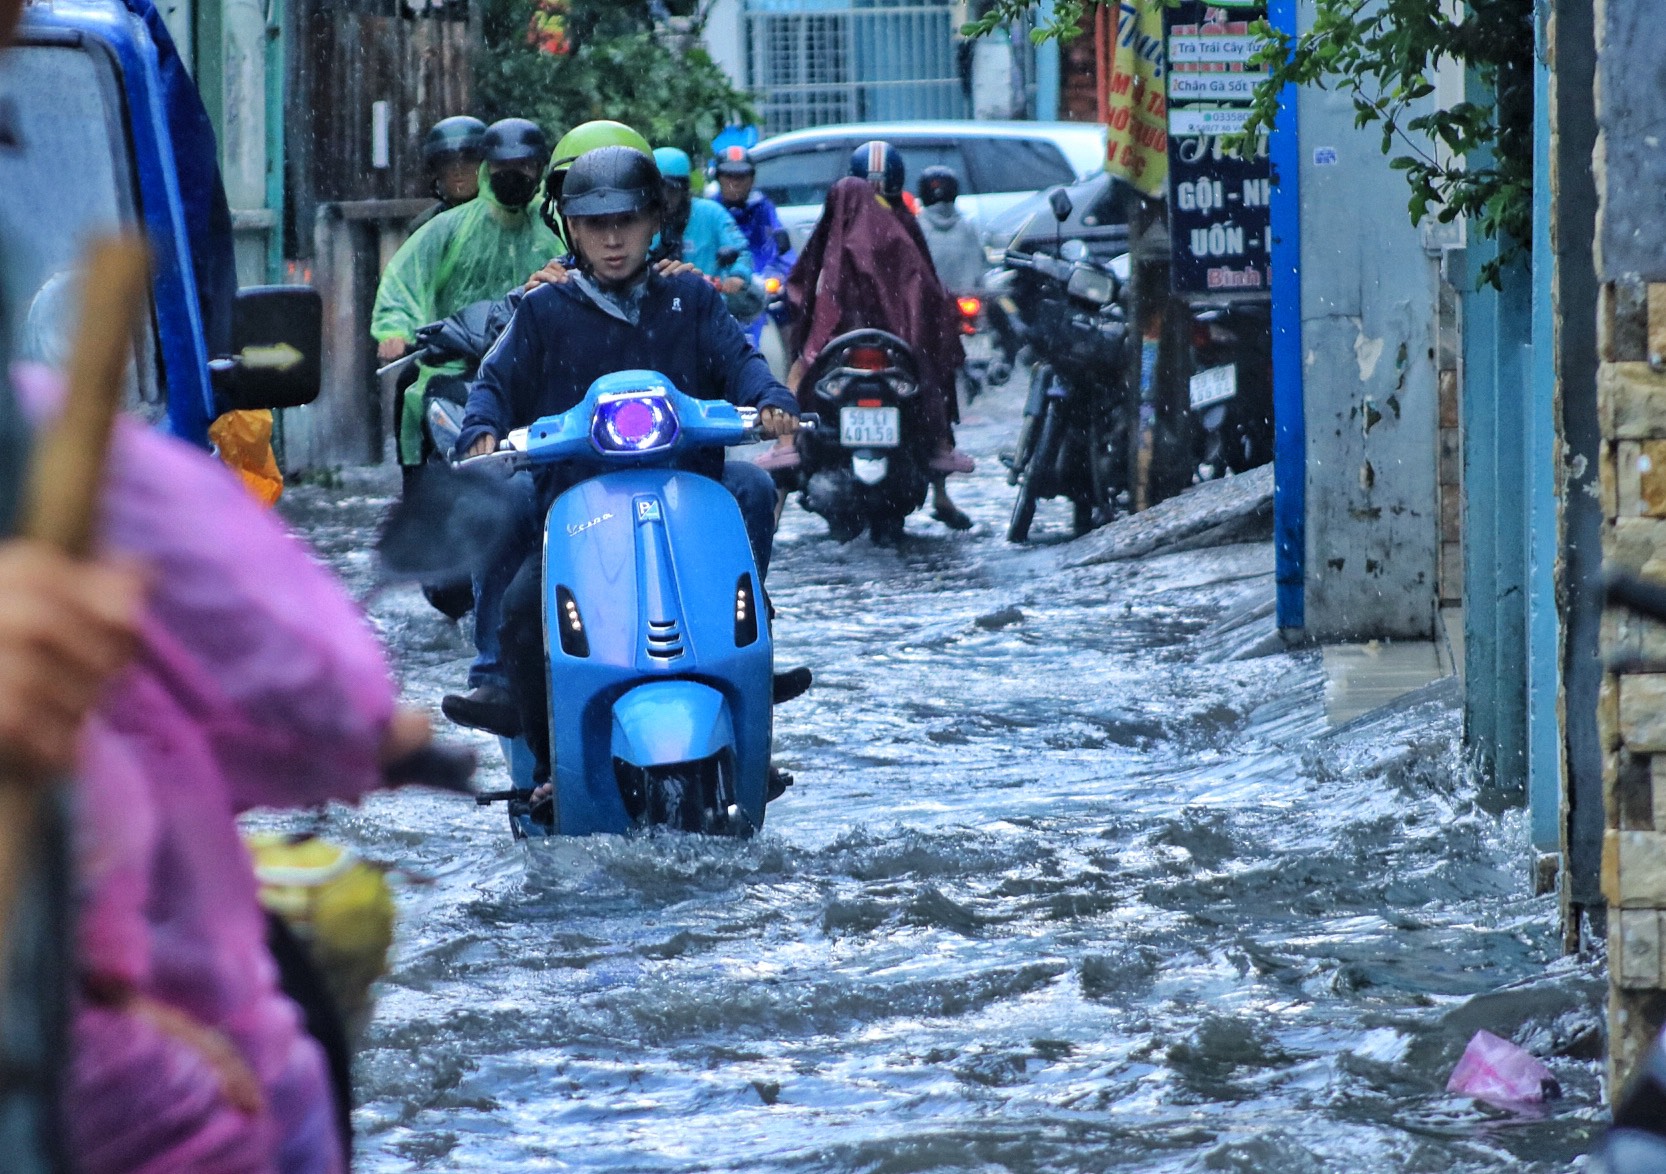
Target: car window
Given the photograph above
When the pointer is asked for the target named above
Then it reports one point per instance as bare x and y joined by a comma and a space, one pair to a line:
1017, 165
919, 154
65, 178
803, 174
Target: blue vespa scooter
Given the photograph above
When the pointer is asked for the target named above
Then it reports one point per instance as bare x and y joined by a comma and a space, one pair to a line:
660, 665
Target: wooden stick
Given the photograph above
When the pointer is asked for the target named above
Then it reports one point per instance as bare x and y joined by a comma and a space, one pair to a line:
66, 473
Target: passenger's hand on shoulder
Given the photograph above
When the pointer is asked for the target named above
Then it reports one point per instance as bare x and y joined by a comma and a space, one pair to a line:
775, 423
555, 273
671, 267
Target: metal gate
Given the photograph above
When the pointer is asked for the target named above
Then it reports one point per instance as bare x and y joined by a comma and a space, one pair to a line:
816, 63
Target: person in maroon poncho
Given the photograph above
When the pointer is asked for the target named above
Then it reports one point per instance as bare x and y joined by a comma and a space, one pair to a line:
866, 265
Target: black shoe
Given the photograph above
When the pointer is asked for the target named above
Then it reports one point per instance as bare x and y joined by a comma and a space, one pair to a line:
790, 684
779, 781
484, 707
952, 517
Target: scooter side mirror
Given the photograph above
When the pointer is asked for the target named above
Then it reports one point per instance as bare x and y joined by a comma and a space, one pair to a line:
277, 343
1059, 201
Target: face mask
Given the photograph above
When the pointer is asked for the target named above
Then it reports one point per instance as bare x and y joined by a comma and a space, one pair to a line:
513, 188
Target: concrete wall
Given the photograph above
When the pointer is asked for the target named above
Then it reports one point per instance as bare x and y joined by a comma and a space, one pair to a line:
1369, 314
724, 39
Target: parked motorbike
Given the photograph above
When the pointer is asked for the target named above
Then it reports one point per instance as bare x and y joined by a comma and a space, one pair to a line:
1231, 390
660, 661
1074, 441
871, 473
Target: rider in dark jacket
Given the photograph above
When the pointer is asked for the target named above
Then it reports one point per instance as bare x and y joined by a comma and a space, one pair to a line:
613, 314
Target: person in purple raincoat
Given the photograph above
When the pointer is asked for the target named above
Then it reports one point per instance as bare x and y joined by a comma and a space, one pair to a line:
255, 682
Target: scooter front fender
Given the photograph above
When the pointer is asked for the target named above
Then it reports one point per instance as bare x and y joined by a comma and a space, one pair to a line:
663, 723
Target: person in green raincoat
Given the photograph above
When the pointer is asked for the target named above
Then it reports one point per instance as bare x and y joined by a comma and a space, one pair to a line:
477, 251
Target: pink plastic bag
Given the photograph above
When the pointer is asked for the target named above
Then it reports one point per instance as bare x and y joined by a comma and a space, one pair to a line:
1496, 1071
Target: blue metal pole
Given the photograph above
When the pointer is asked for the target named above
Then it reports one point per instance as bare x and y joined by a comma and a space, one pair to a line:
1046, 70
1544, 627
1289, 422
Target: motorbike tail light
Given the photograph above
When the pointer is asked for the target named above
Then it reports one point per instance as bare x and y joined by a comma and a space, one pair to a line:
867, 358
870, 403
574, 642
969, 307
746, 613
633, 422
1200, 335
772, 285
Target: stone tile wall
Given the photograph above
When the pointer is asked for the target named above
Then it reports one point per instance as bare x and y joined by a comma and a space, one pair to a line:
1631, 402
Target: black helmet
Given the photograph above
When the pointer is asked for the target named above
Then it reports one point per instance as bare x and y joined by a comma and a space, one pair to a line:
938, 185
880, 164
460, 135
511, 139
735, 161
609, 181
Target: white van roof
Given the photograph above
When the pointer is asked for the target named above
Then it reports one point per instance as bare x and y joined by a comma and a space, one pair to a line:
1083, 143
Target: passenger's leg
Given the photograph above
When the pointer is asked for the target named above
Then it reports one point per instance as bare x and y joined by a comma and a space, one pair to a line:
522, 639
491, 581
754, 490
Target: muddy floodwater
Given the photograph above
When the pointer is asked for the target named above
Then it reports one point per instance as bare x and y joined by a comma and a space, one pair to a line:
1050, 894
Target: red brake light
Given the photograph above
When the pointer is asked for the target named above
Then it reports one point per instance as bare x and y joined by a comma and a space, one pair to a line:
867, 358
870, 403
1200, 335
969, 307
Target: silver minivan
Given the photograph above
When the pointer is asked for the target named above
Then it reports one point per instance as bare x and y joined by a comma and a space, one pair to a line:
999, 163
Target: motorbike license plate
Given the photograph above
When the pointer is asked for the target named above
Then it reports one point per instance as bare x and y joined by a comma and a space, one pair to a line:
1214, 386
870, 427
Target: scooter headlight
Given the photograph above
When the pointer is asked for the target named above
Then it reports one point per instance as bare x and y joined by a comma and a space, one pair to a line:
634, 422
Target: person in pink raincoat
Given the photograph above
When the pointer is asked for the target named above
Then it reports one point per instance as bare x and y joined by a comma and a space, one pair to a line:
256, 682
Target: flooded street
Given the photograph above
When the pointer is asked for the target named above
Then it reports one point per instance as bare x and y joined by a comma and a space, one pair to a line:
1050, 894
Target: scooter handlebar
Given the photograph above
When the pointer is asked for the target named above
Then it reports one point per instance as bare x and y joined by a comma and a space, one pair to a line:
415, 355
808, 422
511, 453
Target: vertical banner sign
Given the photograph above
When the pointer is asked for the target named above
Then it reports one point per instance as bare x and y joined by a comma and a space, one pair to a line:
1136, 107
1218, 199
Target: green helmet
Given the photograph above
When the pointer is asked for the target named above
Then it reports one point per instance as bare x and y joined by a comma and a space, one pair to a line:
586, 136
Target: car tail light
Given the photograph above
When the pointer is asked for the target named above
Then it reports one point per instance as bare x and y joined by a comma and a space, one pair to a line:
867, 358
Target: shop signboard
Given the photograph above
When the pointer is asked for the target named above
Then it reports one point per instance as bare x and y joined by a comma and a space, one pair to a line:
1218, 198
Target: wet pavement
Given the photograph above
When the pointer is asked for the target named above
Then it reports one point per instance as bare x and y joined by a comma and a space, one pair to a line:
1050, 894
